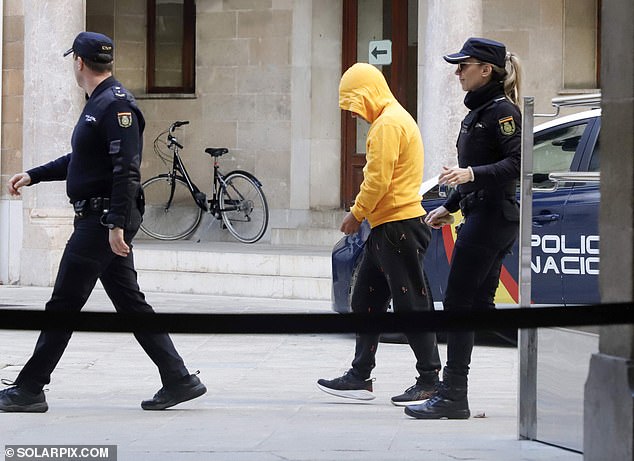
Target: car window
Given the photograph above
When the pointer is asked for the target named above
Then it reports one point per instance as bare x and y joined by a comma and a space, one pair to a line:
554, 151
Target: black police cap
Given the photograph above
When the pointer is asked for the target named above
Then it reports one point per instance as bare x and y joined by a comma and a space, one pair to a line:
93, 46
482, 49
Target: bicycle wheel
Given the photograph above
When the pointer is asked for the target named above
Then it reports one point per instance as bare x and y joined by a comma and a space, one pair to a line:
170, 211
243, 207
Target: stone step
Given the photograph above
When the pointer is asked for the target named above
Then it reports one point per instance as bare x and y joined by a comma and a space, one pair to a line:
318, 236
316, 228
234, 269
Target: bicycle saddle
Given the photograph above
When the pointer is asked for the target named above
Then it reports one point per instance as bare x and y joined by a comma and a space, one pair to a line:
216, 151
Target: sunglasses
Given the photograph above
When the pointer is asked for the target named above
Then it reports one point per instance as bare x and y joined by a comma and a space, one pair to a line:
462, 64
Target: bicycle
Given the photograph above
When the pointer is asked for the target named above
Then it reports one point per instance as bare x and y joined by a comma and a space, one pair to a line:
174, 204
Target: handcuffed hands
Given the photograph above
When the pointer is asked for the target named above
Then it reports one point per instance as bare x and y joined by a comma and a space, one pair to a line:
349, 225
438, 218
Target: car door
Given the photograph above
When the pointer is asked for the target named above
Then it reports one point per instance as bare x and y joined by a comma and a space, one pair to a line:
558, 149
580, 226
563, 353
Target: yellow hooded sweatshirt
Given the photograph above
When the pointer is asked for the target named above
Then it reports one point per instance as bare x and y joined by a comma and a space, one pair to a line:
394, 149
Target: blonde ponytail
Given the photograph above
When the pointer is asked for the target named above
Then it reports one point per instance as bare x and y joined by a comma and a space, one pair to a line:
513, 79
510, 76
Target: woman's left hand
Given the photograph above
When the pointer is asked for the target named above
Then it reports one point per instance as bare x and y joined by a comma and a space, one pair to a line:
454, 176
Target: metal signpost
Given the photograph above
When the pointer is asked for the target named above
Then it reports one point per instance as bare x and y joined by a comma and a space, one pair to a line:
529, 355
527, 392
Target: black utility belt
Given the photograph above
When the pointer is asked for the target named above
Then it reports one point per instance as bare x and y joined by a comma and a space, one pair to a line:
479, 198
94, 205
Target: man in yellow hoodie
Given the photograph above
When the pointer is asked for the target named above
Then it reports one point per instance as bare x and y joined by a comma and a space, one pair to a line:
391, 265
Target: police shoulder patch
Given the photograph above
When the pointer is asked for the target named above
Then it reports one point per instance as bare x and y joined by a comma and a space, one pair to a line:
507, 125
125, 119
118, 92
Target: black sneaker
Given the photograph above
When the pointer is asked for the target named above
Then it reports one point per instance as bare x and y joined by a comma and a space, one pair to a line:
416, 394
15, 399
440, 407
186, 389
348, 386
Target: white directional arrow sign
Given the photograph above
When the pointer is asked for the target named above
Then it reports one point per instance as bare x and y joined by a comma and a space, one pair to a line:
380, 52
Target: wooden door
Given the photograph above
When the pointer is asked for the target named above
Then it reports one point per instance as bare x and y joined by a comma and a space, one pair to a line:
365, 21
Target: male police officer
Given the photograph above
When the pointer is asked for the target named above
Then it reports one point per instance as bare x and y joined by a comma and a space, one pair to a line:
102, 176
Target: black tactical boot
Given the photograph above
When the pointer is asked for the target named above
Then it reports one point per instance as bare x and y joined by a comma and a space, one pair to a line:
449, 402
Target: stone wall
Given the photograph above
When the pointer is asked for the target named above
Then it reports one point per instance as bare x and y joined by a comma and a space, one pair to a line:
11, 142
12, 91
261, 65
556, 46
267, 75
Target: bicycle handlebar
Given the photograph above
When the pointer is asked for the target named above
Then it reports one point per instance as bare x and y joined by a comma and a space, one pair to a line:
171, 139
178, 124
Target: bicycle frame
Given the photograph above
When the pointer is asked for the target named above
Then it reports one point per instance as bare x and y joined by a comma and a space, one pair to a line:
217, 185
219, 179
179, 171
212, 205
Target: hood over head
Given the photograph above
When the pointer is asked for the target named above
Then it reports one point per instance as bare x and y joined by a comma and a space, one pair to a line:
364, 91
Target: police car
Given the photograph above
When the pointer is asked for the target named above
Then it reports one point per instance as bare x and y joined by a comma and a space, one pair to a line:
565, 236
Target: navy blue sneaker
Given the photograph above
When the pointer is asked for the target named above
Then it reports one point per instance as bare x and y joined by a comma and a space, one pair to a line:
348, 386
414, 395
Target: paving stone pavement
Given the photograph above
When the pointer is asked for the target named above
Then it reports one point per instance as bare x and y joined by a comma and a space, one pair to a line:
262, 402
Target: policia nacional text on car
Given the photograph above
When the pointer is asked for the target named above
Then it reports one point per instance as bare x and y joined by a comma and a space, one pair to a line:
486, 176
102, 176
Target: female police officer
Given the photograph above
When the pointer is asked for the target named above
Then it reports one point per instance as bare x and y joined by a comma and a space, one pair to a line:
485, 179
102, 181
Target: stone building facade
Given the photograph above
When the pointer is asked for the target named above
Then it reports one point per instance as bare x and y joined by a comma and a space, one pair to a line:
267, 74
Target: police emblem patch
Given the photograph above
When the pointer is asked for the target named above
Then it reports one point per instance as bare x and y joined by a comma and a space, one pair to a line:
125, 119
507, 126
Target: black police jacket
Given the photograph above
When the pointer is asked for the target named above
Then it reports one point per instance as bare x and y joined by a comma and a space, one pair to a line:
105, 161
490, 143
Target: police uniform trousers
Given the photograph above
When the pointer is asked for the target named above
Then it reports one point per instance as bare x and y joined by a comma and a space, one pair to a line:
88, 257
483, 240
392, 267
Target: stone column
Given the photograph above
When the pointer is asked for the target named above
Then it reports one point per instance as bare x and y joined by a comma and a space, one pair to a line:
52, 103
608, 432
325, 125
440, 109
301, 104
